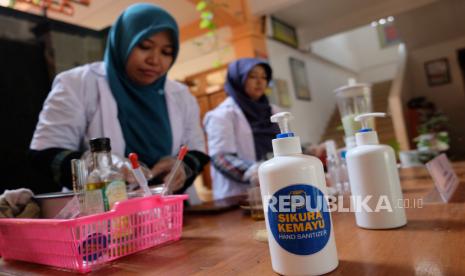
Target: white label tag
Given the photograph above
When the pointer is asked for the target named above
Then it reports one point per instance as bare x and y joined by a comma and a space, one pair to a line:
93, 202
444, 177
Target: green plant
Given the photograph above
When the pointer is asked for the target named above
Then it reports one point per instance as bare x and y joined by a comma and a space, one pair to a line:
206, 15
433, 123
206, 9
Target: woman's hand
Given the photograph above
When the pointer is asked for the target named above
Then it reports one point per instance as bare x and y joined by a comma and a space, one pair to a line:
163, 168
251, 174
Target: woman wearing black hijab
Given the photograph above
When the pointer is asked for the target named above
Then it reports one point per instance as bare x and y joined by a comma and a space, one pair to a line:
239, 129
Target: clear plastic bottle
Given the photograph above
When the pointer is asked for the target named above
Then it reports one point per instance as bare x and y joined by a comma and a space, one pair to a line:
293, 187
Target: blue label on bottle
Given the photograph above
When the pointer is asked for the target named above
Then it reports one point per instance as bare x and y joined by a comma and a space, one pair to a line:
299, 219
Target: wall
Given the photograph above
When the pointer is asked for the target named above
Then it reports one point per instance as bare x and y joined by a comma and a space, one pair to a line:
378, 73
202, 53
337, 48
396, 100
311, 116
359, 50
376, 63
449, 98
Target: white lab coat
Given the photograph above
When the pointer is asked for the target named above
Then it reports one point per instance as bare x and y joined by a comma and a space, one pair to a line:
81, 106
229, 131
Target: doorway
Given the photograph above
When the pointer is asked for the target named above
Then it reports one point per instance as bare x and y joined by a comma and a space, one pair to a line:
461, 59
24, 85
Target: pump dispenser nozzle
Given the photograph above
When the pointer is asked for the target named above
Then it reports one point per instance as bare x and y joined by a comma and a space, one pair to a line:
285, 143
363, 119
283, 118
366, 135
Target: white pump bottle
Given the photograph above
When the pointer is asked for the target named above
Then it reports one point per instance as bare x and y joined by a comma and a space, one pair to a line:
373, 173
293, 187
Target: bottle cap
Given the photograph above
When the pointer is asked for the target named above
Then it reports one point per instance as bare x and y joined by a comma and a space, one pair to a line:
100, 144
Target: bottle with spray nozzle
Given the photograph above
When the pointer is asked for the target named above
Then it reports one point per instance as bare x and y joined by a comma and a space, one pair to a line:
293, 187
374, 179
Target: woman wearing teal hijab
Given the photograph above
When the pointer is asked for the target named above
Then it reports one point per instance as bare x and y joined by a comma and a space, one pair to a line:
140, 35
126, 98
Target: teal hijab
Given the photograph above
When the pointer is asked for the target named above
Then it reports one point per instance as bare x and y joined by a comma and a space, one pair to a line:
142, 110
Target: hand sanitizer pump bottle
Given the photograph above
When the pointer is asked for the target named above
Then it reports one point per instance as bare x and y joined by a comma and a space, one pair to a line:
293, 187
374, 180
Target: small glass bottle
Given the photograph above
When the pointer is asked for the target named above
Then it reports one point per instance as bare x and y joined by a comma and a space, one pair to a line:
104, 177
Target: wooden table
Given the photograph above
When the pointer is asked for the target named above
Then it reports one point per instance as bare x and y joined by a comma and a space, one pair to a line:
432, 243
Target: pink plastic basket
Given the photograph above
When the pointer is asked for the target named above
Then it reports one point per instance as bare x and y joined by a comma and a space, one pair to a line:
85, 243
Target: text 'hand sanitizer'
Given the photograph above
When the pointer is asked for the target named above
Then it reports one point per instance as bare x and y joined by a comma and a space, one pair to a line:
293, 187
374, 180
